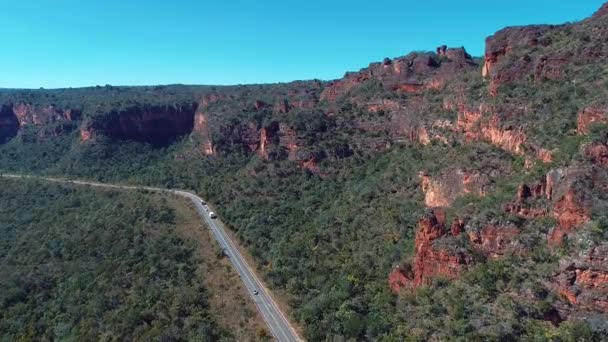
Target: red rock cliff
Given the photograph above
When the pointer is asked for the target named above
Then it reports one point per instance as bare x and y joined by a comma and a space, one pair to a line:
451, 184
475, 128
33, 115
13, 117
583, 281
157, 125
410, 74
500, 46
430, 259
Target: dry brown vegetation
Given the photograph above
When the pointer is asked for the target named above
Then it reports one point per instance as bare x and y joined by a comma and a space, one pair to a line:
228, 299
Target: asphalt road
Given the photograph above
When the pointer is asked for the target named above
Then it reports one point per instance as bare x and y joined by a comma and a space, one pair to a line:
277, 322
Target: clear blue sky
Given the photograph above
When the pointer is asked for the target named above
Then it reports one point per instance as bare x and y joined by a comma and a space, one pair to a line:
62, 43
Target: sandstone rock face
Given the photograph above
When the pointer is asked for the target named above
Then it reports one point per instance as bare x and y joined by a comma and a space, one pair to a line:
443, 190
527, 192
569, 200
272, 141
259, 105
13, 117
494, 241
568, 188
587, 117
409, 87
474, 128
409, 74
542, 154
457, 55
402, 126
502, 44
33, 115
572, 210
268, 137
583, 281
157, 125
201, 128
431, 261
437, 253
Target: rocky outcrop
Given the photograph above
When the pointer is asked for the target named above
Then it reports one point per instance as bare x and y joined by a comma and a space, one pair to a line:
457, 55
203, 131
583, 280
444, 189
430, 260
154, 124
34, 115
47, 120
409, 74
475, 126
566, 197
494, 241
472, 125
297, 100
502, 44
272, 141
268, 137
568, 188
590, 116
525, 194
344, 86
439, 251
571, 211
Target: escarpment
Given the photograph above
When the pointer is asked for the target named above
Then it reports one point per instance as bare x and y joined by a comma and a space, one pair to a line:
154, 124
409, 74
451, 164
506, 43
45, 120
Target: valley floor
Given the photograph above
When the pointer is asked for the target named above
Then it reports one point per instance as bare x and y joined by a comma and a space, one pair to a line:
87, 263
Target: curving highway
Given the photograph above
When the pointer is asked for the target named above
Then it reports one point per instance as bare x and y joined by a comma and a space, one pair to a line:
277, 322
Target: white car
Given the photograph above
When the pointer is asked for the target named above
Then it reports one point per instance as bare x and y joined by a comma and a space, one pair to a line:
212, 215
255, 292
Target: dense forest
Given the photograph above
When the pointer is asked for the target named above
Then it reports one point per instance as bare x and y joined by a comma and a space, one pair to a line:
84, 264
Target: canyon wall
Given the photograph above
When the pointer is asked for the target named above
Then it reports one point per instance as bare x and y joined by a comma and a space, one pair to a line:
157, 125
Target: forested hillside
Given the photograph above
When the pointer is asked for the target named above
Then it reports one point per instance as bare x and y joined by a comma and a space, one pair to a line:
433, 196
